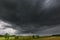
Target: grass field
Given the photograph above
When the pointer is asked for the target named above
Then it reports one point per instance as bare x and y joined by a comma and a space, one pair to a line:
31, 38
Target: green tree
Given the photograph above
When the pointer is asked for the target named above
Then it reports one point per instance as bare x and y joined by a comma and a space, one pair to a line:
6, 36
16, 37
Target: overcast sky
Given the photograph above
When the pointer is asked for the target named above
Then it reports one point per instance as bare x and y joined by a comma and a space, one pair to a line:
30, 16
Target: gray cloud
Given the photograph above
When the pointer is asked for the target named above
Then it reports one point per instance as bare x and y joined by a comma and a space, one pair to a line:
30, 15
54, 30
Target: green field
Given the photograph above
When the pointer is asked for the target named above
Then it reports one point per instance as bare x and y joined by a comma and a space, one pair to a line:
31, 38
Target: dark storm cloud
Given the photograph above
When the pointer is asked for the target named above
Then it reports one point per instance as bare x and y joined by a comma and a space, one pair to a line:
34, 14
30, 12
7, 9
46, 12
31, 15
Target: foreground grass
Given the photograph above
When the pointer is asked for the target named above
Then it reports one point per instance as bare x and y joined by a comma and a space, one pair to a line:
31, 38
42, 38
2, 38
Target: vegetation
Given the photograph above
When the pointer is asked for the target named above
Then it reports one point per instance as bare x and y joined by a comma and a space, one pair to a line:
34, 37
6, 36
56, 35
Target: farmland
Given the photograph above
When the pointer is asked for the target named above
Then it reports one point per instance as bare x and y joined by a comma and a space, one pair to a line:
31, 38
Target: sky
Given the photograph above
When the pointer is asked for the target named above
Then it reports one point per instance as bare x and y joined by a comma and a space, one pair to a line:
30, 16
4, 28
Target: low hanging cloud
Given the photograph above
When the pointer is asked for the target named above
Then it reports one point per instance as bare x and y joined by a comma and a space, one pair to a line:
4, 29
51, 31
8, 30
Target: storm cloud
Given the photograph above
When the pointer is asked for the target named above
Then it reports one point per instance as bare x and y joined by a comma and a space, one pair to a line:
30, 16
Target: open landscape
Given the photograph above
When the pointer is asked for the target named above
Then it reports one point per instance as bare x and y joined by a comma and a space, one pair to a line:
33, 37
30, 17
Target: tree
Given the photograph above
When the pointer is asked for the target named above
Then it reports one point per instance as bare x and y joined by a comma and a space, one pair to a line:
35, 36
6, 36
16, 37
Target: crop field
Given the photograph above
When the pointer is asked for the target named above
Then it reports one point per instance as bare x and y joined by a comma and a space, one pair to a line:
31, 38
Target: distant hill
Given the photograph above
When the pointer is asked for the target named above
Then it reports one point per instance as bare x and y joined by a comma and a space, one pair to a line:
56, 35
1, 35
10, 35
